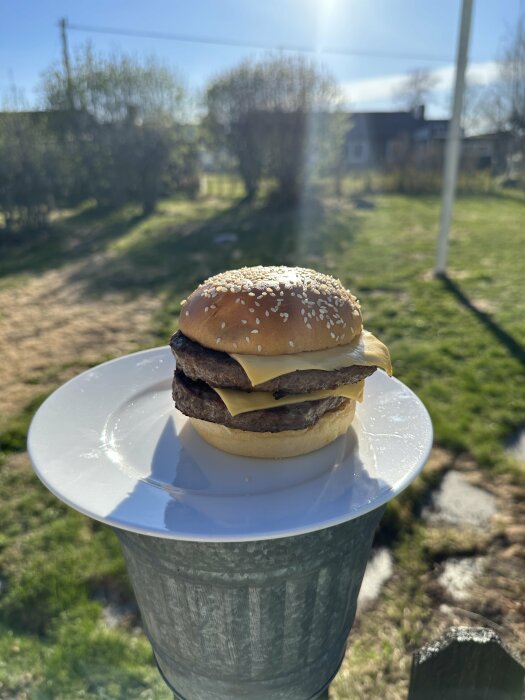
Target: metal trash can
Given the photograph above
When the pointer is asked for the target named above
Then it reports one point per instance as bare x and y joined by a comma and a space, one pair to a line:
264, 620
235, 602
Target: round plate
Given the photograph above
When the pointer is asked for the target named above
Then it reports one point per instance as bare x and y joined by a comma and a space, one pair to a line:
110, 444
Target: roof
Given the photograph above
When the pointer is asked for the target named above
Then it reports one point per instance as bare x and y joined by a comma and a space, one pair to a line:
489, 136
385, 126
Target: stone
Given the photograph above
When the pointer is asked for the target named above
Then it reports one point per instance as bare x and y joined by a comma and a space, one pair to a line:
459, 575
459, 503
379, 569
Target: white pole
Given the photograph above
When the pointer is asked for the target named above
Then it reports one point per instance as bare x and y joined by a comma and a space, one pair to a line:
450, 169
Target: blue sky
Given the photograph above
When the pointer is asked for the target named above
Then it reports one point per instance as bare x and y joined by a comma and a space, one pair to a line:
29, 37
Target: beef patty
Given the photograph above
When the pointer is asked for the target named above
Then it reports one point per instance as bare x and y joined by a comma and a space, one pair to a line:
219, 369
197, 400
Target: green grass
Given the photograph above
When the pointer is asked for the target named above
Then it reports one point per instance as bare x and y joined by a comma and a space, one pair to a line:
458, 347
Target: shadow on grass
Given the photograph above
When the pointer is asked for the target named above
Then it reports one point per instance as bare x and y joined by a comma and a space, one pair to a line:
175, 257
513, 346
66, 240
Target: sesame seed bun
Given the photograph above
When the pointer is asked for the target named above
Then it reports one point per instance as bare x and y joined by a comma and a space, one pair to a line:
271, 311
287, 443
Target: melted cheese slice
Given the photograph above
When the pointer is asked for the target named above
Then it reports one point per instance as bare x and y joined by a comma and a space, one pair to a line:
244, 401
366, 350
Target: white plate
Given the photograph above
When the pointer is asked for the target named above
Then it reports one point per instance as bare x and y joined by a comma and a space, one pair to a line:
110, 444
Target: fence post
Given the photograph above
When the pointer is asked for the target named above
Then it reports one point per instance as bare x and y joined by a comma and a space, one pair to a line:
467, 663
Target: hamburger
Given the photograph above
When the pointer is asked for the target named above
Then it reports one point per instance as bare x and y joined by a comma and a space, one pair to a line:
270, 361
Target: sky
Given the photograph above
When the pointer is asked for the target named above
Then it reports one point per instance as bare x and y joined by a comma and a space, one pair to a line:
384, 39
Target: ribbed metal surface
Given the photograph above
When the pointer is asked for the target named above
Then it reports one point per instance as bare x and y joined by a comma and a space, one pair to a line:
265, 620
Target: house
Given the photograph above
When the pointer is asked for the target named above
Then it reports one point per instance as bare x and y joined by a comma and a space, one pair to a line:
379, 139
490, 151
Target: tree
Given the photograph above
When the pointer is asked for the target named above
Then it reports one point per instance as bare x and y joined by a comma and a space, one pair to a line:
416, 89
273, 117
120, 120
512, 80
33, 174
501, 105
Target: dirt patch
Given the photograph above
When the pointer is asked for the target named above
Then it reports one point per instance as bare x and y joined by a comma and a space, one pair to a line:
49, 330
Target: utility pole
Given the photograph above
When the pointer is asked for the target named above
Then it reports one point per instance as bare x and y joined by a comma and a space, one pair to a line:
450, 169
67, 64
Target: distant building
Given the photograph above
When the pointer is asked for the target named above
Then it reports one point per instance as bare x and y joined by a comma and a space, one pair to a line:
490, 151
379, 139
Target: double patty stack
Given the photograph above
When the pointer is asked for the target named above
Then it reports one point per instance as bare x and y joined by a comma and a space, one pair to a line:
270, 360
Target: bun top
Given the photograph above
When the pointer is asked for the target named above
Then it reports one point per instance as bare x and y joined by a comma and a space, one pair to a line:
271, 311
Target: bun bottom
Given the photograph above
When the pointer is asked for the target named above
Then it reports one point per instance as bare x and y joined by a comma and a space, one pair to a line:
288, 443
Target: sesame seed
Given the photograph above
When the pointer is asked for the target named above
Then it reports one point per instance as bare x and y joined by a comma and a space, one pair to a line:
256, 303
218, 341
332, 335
206, 309
328, 324
187, 313
290, 343
252, 310
223, 325
213, 306
254, 330
259, 348
302, 312
266, 313
269, 290
235, 346
183, 302
251, 294
237, 300
247, 339
257, 321
309, 325
243, 321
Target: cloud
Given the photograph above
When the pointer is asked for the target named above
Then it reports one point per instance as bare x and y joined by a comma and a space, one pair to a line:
385, 87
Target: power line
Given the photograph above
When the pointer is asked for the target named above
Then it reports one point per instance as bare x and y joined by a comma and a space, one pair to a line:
216, 41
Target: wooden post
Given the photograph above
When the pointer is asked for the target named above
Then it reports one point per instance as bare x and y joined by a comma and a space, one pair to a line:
66, 62
467, 663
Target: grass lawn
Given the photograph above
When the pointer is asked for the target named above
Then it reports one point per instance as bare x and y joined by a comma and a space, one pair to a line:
459, 344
